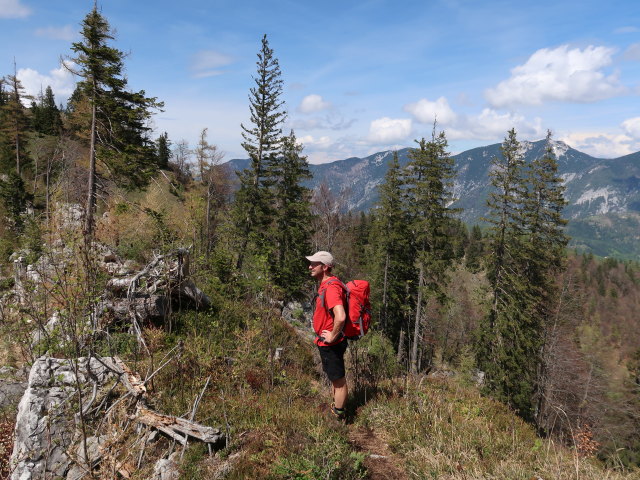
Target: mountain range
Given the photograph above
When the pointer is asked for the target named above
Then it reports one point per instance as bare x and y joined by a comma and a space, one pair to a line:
603, 195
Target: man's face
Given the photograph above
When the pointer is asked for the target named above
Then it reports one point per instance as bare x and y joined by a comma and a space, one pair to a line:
316, 269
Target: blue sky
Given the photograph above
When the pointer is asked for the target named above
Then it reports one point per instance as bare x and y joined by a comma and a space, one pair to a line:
362, 76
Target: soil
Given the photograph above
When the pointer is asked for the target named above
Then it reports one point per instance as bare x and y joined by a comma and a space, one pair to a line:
380, 461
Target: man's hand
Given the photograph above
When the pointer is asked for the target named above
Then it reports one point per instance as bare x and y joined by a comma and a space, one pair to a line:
328, 336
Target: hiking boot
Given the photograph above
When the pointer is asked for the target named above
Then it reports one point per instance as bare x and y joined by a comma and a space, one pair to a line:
339, 413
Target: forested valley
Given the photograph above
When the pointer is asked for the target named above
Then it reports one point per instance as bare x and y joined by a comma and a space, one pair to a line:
495, 351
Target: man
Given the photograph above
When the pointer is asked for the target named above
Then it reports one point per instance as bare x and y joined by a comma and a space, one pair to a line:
329, 316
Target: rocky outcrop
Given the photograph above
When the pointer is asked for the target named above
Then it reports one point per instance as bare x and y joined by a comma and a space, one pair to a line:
13, 383
47, 420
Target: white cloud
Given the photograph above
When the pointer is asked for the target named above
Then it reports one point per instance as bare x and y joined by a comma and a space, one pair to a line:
310, 141
13, 9
558, 74
333, 121
313, 103
206, 63
60, 80
631, 127
603, 145
490, 124
66, 33
389, 130
426, 111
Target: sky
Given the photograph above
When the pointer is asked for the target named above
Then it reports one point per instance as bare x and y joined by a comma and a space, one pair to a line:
360, 77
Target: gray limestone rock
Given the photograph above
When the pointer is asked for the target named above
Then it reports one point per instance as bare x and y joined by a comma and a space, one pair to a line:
167, 468
13, 383
46, 420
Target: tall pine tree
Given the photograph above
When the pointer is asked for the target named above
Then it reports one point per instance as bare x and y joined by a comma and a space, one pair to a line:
393, 255
545, 244
15, 123
117, 118
429, 182
262, 142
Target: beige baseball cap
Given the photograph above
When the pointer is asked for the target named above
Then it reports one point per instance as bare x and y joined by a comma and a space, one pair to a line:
322, 257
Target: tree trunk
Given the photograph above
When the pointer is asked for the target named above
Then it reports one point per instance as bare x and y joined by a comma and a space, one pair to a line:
91, 195
400, 357
208, 219
416, 331
384, 293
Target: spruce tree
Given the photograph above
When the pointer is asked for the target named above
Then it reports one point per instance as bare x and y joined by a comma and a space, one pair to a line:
475, 249
393, 259
262, 142
526, 242
545, 244
163, 151
14, 198
15, 122
46, 115
117, 118
430, 174
292, 227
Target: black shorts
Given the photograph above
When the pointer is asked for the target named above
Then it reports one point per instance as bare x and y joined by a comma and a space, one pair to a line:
333, 360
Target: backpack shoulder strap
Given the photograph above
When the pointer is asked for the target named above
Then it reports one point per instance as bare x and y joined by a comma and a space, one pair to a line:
331, 281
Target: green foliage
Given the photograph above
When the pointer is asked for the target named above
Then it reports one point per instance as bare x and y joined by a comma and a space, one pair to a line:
326, 456
163, 150
475, 250
14, 125
291, 230
374, 358
32, 239
14, 198
45, 114
392, 260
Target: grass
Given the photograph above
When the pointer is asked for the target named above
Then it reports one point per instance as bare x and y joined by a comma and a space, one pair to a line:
447, 431
276, 412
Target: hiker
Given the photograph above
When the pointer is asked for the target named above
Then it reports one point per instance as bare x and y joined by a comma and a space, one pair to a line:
329, 316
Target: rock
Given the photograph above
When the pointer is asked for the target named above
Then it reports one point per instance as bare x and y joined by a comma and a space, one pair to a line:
45, 424
13, 383
167, 468
48, 329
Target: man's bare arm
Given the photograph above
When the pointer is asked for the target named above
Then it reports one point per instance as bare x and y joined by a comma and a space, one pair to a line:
339, 317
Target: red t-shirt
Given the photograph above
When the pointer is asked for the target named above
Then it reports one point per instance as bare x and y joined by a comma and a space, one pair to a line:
330, 294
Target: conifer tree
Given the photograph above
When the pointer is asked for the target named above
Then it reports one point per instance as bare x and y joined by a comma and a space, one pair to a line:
545, 245
46, 115
262, 142
475, 249
15, 122
393, 253
292, 227
117, 120
163, 150
14, 198
526, 245
545, 240
429, 182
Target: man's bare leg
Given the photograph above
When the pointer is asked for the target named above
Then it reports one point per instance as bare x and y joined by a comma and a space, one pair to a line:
340, 392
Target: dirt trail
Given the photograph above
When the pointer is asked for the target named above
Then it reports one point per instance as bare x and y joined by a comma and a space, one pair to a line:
380, 462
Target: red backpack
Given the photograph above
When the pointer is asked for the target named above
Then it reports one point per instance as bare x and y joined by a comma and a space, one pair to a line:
358, 308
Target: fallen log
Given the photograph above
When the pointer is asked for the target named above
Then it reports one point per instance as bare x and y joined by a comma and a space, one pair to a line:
177, 428
145, 306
